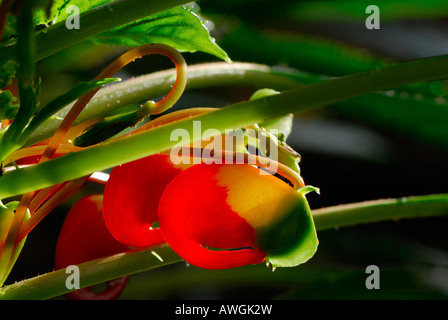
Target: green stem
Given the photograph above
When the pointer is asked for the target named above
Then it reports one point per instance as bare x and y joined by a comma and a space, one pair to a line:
305, 98
100, 270
380, 210
200, 76
26, 73
92, 272
111, 15
156, 84
56, 104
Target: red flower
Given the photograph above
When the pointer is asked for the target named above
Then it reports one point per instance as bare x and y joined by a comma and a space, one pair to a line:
131, 199
84, 237
213, 216
231, 215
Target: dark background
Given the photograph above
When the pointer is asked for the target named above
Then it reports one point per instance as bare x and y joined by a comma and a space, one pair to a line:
349, 159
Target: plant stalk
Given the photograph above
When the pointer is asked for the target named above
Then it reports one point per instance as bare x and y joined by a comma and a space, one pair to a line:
97, 271
239, 115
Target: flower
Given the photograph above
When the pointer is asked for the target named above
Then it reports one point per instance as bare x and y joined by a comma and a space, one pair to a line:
214, 216
222, 216
84, 237
131, 199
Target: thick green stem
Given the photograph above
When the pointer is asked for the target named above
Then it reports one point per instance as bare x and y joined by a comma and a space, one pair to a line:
156, 84
380, 210
26, 73
93, 272
305, 98
97, 271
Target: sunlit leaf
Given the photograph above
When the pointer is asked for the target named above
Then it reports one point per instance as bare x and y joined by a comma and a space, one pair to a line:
179, 27
60, 10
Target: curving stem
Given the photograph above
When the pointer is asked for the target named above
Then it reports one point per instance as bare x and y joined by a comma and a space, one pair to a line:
113, 68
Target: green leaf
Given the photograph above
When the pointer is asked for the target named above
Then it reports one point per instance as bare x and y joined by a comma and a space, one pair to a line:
99, 19
7, 72
58, 11
414, 115
178, 27
10, 28
7, 108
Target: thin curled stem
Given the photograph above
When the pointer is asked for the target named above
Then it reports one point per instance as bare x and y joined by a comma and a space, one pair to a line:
112, 69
